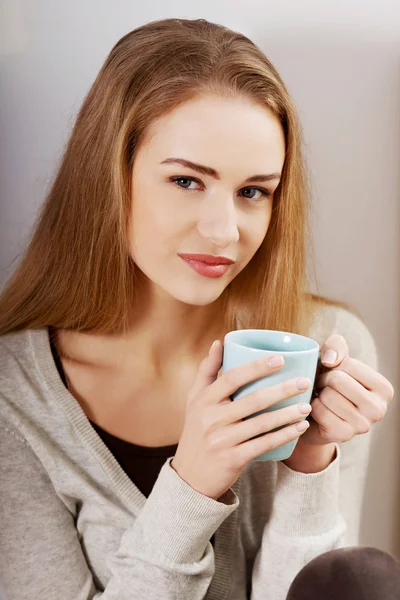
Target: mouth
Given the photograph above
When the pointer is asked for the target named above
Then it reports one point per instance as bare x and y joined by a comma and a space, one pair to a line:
207, 269
208, 259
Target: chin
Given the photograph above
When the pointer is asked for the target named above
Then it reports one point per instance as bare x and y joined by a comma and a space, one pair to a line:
198, 299
196, 295
184, 288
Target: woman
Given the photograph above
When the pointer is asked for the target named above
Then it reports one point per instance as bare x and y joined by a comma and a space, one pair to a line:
127, 470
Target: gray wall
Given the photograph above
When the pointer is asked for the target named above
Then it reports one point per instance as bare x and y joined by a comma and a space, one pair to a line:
340, 60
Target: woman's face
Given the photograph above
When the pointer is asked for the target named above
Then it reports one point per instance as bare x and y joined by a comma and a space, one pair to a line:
220, 204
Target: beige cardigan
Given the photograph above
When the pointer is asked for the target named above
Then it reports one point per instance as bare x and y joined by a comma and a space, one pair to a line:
74, 527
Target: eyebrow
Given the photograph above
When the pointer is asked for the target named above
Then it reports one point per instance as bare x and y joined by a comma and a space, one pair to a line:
213, 173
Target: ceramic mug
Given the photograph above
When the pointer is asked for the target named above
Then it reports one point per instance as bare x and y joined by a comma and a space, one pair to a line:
300, 354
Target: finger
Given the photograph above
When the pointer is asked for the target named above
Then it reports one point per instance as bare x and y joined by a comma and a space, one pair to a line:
331, 427
236, 377
344, 383
367, 377
334, 350
342, 408
263, 398
249, 450
208, 370
244, 430
371, 405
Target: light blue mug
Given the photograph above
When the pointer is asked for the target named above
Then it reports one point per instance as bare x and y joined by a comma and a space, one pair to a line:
300, 354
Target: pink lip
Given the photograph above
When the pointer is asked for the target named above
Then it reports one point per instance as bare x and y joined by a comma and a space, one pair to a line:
208, 259
207, 270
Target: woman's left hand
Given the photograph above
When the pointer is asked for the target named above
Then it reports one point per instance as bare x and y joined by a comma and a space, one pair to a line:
350, 398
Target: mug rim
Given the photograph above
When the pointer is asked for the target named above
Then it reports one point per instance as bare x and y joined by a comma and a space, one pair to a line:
278, 352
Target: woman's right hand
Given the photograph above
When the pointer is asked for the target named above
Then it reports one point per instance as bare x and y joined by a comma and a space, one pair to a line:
216, 443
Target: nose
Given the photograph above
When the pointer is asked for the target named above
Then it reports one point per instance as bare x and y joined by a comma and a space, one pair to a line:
218, 222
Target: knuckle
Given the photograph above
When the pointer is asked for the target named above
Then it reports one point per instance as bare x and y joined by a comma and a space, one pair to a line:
257, 369
350, 363
265, 423
344, 435
325, 397
289, 388
320, 414
256, 425
379, 412
203, 364
282, 436
239, 459
336, 337
289, 433
215, 441
365, 427
266, 443
316, 406
230, 378
205, 422
389, 391
260, 366
338, 377
288, 415
194, 401
256, 401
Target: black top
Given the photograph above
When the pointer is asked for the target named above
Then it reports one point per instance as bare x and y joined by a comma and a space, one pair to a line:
142, 464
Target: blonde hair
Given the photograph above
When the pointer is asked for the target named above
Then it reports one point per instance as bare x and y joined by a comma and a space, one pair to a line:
76, 272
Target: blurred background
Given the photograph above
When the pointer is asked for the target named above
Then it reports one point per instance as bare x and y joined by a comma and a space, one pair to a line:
340, 60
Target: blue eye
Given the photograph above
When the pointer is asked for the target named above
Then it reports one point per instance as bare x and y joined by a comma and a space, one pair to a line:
184, 182
263, 193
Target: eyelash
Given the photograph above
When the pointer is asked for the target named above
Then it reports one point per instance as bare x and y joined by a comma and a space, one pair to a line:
264, 192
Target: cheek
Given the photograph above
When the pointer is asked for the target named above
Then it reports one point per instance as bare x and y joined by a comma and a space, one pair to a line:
257, 228
152, 228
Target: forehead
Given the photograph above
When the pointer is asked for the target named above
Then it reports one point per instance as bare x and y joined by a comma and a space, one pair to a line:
219, 132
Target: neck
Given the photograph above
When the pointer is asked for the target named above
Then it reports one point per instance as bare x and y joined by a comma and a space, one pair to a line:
164, 337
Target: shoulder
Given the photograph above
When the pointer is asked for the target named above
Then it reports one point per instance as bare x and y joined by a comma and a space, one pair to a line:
13, 353
19, 377
328, 319
16, 355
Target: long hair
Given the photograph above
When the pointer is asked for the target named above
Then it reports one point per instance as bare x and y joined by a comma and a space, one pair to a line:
76, 272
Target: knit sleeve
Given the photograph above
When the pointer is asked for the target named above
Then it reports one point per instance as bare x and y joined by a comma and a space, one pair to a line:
316, 512
165, 553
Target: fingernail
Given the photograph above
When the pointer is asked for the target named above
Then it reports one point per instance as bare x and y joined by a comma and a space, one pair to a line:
213, 345
329, 357
303, 383
302, 425
304, 408
275, 361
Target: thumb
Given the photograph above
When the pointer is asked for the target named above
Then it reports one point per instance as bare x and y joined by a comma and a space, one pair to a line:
334, 351
208, 369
